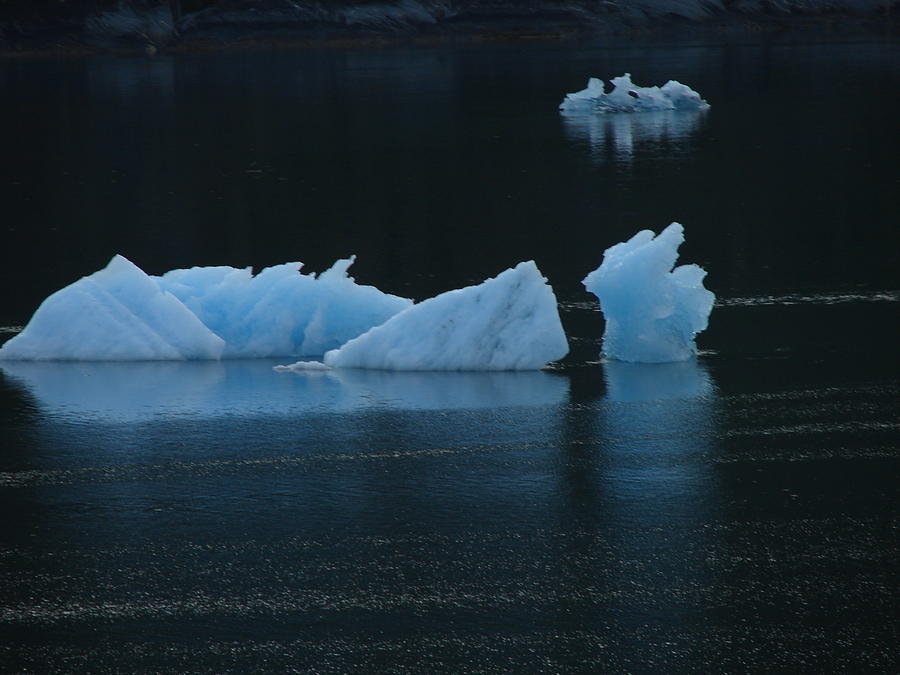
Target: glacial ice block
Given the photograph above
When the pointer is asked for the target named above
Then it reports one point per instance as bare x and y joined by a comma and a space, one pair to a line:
116, 314
281, 312
652, 311
626, 96
122, 314
509, 322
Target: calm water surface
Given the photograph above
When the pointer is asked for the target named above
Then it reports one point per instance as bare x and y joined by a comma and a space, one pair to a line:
733, 513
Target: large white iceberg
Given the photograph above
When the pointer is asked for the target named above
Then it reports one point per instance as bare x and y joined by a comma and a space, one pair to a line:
625, 96
122, 314
116, 314
280, 312
652, 311
509, 322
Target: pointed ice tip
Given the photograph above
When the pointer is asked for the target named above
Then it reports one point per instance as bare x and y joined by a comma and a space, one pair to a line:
339, 269
529, 268
121, 265
673, 231
120, 259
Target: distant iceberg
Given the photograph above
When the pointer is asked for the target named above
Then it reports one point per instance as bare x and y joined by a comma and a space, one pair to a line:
509, 322
626, 96
122, 314
652, 311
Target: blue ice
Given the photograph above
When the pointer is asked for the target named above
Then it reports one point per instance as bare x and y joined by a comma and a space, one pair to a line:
625, 96
653, 310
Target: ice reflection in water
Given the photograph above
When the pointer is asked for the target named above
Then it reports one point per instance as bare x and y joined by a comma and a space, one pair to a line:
126, 392
660, 422
619, 136
656, 381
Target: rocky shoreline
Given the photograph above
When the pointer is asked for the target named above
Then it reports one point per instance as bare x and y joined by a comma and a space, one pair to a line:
42, 27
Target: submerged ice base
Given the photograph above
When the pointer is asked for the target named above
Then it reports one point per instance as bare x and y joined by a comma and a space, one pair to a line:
652, 311
509, 322
122, 314
626, 96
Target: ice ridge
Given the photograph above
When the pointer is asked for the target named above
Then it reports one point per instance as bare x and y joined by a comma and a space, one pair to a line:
122, 314
509, 322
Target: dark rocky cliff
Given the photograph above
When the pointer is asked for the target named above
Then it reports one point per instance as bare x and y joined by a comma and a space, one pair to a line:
155, 24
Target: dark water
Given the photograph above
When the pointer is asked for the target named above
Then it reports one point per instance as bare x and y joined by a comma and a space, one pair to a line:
737, 513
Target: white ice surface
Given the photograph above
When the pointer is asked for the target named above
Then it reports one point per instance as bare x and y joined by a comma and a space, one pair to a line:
302, 366
122, 314
281, 312
625, 96
509, 322
652, 311
116, 314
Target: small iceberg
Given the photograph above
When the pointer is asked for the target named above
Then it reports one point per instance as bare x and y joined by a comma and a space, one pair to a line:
652, 311
123, 314
626, 96
302, 366
509, 322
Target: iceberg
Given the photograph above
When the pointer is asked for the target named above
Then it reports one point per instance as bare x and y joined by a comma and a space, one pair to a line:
281, 312
116, 314
122, 314
626, 96
509, 322
652, 311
